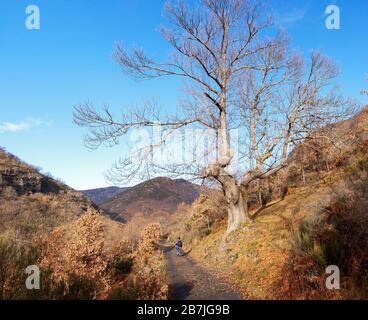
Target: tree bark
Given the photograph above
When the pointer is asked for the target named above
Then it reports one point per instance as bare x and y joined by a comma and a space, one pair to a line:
237, 215
237, 209
237, 212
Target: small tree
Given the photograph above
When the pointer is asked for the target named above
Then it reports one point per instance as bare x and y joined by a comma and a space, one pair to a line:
238, 78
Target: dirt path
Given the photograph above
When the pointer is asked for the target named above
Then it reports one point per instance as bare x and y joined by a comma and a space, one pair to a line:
190, 281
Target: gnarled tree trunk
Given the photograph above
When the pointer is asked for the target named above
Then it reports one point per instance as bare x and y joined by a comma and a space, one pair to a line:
237, 214
237, 210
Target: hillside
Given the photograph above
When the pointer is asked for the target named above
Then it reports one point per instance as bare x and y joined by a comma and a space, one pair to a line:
310, 216
32, 204
24, 178
101, 195
81, 253
154, 197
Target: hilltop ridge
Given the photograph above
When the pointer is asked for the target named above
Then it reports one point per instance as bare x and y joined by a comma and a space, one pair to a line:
157, 196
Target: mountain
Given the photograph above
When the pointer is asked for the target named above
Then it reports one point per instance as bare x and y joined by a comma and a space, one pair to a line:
156, 196
33, 204
101, 195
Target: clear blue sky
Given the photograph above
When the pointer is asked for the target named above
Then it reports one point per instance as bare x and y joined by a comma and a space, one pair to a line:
44, 73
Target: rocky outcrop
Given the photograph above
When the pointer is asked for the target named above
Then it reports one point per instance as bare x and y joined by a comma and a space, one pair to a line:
26, 182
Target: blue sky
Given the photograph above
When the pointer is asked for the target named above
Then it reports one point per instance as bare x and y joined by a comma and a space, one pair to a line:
44, 73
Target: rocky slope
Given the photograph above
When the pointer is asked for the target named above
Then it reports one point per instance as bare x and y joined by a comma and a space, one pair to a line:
23, 178
32, 204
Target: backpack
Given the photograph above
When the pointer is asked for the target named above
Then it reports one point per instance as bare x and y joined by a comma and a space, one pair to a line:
179, 243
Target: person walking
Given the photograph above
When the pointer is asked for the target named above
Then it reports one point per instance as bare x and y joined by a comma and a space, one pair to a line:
179, 247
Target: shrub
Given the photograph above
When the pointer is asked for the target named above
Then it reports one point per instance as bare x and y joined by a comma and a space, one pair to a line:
321, 242
79, 288
149, 269
303, 238
358, 174
14, 259
338, 237
130, 293
122, 265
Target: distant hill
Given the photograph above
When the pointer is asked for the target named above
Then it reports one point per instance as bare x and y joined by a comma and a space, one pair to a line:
156, 196
101, 195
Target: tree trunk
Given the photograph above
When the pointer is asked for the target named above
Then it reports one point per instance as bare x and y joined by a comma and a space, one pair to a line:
236, 215
237, 211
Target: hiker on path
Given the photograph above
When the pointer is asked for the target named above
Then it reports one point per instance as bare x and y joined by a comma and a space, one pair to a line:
179, 247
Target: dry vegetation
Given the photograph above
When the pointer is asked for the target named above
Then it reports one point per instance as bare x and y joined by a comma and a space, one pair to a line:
283, 254
89, 258
81, 249
311, 215
147, 281
23, 217
81, 253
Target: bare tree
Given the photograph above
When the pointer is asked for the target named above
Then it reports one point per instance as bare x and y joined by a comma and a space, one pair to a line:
239, 78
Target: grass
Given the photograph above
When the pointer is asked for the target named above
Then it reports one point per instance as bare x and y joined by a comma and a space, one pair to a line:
285, 252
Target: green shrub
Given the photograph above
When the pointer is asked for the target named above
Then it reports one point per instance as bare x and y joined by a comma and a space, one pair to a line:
130, 293
122, 265
303, 238
324, 246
